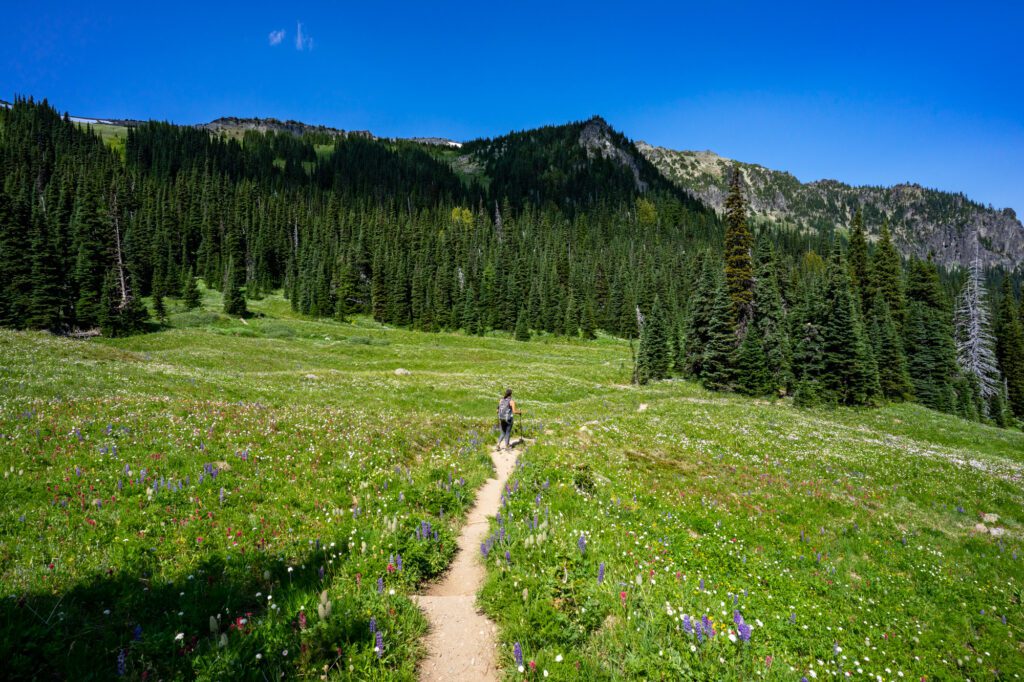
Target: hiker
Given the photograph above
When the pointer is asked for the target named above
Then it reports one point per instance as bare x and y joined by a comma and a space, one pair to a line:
506, 413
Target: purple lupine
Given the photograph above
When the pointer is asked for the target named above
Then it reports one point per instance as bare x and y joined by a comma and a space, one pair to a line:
582, 544
737, 617
137, 633
122, 663
321, 573
600, 573
222, 495
744, 632
517, 652
483, 549
687, 625
792, 616
700, 633
380, 644
398, 562
373, 625
380, 585
78, 471
708, 628
508, 557
702, 584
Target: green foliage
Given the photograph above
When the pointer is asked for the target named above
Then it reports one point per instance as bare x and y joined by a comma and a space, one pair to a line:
1010, 349
653, 358
717, 370
739, 242
190, 296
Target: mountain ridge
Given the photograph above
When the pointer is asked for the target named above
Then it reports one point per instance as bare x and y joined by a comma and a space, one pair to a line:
923, 220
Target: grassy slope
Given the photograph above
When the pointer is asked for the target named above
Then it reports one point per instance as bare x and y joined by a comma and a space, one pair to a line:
696, 486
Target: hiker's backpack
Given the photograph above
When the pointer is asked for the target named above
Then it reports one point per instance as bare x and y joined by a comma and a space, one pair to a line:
505, 409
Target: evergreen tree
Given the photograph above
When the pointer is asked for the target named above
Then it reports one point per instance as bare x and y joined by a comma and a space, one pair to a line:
696, 333
190, 295
1010, 350
893, 376
752, 373
716, 362
234, 301
770, 321
652, 360
850, 375
931, 353
588, 324
739, 269
118, 315
522, 326
886, 275
857, 258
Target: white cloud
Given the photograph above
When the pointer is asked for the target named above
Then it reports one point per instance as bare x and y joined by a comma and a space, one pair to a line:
276, 37
302, 40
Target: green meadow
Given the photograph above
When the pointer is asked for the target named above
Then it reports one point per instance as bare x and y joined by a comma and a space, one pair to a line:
225, 499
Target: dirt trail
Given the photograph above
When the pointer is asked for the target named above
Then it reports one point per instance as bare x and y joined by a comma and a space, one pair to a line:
460, 644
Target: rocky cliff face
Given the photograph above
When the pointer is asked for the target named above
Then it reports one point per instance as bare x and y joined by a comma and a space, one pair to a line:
922, 220
597, 139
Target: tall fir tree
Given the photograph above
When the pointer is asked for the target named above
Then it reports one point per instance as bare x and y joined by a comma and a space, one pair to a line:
716, 368
190, 295
739, 268
653, 358
1010, 349
857, 258
928, 338
850, 375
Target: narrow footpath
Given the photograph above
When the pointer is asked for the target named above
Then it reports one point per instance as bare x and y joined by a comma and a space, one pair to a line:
461, 641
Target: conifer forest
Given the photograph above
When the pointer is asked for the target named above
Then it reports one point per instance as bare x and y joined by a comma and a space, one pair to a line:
548, 239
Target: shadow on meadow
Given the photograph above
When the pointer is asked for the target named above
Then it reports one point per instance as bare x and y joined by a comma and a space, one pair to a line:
254, 617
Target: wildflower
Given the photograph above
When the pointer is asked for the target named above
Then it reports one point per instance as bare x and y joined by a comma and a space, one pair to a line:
744, 632
600, 573
517, 652
380, 644
582, 544
122, 663
137, 633
373, 625
180, 636
702, 584
302, 620
380, 585
508, 557
687, 625
558, 658
622, 597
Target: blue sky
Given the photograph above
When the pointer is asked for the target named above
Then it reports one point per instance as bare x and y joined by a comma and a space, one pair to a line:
864, 92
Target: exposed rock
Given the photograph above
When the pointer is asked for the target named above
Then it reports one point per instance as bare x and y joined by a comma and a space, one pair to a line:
998, 532
990, 518
595, 137
980, 528
643, 406
401, 371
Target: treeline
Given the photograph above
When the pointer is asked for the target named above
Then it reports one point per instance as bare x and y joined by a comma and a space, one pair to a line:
853, 328
355, 226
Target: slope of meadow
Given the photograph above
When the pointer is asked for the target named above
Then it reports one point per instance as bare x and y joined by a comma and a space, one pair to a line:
187, 503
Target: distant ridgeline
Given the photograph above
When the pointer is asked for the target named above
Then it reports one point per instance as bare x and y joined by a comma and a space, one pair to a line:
566, 230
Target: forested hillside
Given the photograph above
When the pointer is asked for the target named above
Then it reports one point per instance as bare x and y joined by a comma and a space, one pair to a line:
564, 230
